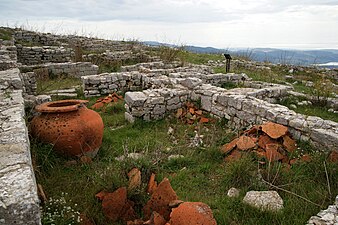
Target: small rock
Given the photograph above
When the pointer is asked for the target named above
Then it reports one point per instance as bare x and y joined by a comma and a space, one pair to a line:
264, 200
293, 106
309, 84
170, 131
233, 192
175, 157
134, 156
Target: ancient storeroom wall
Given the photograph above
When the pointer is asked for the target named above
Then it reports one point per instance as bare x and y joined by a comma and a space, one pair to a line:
19, 203
45, 54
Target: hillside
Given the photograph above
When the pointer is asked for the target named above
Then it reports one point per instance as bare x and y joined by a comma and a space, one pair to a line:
284, 56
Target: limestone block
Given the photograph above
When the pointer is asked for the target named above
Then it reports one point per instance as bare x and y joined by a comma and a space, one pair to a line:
129, 117
206, 103
325, 137
191, 83
135, 99
264, 200
297, 122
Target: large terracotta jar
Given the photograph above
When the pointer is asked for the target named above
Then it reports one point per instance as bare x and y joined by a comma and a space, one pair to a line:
72, 128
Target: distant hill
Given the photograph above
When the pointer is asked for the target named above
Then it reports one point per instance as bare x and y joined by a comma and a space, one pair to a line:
289, 56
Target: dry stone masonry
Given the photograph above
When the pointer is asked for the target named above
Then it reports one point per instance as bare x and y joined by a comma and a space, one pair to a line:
68, 69
19, 203
328, 216
45, 54
8, 56
166, 89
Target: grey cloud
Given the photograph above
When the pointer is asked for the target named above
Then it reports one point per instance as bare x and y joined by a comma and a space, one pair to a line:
146, 10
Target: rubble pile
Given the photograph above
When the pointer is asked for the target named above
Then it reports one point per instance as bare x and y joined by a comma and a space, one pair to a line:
269, 141
163, 207
103, 102
189, 114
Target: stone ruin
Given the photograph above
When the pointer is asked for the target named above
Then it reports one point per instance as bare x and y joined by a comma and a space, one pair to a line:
153, 90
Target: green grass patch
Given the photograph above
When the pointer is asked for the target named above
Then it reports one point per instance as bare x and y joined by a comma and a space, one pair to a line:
310, 110
46, 85
6, 34
201, 175
199, 58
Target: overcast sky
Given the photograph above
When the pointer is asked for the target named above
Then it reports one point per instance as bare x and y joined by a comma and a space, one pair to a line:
302, 24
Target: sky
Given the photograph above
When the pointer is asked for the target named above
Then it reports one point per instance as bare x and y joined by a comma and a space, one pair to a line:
287, 24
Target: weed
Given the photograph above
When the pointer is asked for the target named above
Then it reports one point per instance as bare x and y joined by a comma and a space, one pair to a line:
6, 34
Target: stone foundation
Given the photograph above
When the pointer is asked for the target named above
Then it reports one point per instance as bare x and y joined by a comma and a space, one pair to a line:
167, 89
19, 203
8, 56
45, 54
69, 69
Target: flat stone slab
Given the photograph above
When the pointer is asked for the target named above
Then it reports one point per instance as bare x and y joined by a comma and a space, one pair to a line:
264, 200
135, 99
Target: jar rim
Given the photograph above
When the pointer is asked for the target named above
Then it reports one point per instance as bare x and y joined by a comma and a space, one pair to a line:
60, 106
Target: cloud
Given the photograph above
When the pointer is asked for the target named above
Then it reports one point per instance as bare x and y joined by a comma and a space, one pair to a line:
171, 11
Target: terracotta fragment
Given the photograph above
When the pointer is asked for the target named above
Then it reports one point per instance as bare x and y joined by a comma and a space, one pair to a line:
152, 184
160, 200
272, 153
85, 220
252, 131
175, 203
135, 222
102, 102
179, 113
234, 155
189, 213
116, 206
263, 140
229, 146
274, 130
156, 219
97, 105
101, 195
333, 157
306, 158
86, 159
289, 144
134, 176
204, 120
245, 143
198, 112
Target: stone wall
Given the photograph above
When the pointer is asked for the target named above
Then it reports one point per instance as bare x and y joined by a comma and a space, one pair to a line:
29, 83
69, 69
19, 203
238, 106
86, 43
45, 54
8, 56
36, 37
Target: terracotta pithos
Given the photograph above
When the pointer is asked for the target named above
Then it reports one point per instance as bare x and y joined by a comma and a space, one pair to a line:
70, 126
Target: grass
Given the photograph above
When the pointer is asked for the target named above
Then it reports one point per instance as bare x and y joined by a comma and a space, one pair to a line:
310, 110
6, 34
49, 84
199, 58
202, 175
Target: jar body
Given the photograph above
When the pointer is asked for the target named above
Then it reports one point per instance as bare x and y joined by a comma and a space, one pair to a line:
73, 133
